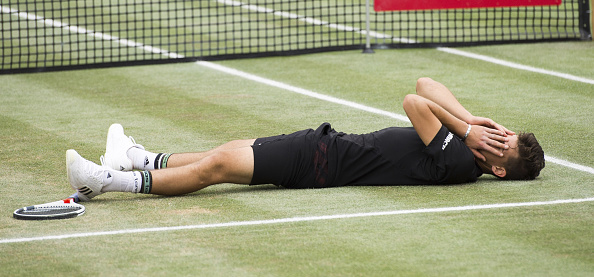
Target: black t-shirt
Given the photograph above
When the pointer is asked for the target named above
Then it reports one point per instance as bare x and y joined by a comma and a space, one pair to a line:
397, 156
393, 156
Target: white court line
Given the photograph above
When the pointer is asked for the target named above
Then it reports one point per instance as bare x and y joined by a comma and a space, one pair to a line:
313, 21
295, 219
569, 164
302, 91
515, 65
246, 75
83, 31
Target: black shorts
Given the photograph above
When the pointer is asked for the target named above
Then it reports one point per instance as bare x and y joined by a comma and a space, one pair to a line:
297, 160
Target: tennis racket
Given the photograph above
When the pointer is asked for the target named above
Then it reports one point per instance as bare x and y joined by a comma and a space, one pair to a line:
62, 209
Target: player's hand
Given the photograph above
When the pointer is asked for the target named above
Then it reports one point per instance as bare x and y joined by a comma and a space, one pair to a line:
487, 122
488, 139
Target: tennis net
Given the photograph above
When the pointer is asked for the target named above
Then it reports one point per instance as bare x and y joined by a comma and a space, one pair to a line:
42, 35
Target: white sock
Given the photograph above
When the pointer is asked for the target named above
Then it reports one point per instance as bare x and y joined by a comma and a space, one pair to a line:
122, 181
142, 159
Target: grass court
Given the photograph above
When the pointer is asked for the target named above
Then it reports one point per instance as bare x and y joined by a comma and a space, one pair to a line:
192, 107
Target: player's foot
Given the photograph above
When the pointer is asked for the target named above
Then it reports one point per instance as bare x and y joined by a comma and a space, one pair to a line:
85, 176
116, 149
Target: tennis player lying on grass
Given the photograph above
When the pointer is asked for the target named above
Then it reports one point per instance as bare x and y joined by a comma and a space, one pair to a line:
440, 148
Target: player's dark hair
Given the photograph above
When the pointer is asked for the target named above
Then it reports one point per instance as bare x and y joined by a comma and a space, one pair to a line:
530, 159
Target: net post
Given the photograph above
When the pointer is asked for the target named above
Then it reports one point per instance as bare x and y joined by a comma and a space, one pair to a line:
585, 20
367, 49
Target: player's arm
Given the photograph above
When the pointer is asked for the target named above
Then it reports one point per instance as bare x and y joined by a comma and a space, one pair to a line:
440, 94
427, 118
485, 134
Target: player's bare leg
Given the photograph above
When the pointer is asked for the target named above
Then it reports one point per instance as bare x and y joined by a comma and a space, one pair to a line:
234, 165
182, 159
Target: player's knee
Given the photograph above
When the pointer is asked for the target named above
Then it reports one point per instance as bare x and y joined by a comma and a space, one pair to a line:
423, 81
211, 170
409, 101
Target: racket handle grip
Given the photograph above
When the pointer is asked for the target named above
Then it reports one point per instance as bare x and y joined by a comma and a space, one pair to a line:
74, 197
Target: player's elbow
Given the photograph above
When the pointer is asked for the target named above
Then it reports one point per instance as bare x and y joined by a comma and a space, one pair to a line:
422, 83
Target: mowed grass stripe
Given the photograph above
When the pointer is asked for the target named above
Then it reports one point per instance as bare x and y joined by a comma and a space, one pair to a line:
32, 151
82, 112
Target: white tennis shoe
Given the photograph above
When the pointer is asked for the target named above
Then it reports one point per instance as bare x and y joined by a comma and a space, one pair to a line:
116, 149
85, 176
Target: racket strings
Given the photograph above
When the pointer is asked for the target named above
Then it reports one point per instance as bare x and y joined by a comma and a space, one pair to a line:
51, 210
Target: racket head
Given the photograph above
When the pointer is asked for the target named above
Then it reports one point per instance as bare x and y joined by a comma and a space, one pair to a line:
62, 209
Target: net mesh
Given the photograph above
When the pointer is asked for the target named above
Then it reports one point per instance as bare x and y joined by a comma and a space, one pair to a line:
47, 34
